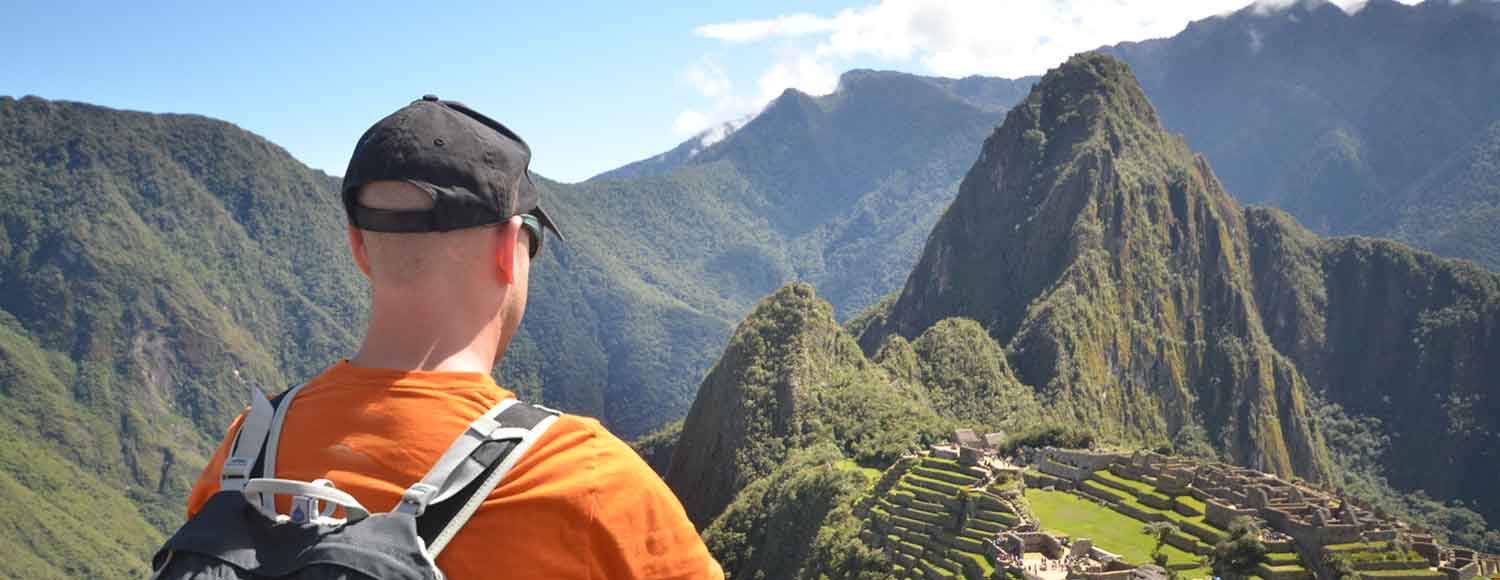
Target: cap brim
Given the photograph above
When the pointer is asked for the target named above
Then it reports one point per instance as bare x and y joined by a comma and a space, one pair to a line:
547, 222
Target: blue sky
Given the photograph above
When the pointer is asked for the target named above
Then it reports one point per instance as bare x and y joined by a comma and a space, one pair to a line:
591, 86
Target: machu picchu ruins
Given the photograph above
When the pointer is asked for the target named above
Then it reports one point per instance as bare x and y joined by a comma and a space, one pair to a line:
965, 509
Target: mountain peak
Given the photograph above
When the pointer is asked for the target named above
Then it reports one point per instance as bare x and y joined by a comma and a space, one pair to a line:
1091, 90
1068, 242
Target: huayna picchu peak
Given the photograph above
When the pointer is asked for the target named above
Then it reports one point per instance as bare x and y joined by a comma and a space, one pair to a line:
1113, 265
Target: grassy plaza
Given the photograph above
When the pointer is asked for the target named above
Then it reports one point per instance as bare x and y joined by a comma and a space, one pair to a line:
1071, 515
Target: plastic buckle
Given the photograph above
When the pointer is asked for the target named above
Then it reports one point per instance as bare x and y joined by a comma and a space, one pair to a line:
235, 468
418, 496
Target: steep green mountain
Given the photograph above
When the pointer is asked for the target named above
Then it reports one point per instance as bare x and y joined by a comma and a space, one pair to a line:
1364, 123
666, 254
789, 378
1396, 335
143, 259
792, 379
1115, 268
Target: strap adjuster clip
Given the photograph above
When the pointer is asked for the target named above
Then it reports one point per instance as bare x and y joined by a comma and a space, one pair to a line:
418, 496
235, 468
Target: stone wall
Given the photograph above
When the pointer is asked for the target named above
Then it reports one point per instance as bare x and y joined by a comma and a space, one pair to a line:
1066, 471
1466, 572
1187, 544
1090, 460
1269, 573
1310, 537
1104, 555
1040, 481
1219, 515
1382, 565
1116, 575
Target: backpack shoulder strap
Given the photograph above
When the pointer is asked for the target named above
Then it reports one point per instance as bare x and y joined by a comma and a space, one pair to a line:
248, 443
262, 425
283, 403
471, 468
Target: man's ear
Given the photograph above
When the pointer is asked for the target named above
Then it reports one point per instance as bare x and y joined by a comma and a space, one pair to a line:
357, 247
505, 252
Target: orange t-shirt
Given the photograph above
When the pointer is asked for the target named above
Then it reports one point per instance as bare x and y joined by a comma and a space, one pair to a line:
579, 504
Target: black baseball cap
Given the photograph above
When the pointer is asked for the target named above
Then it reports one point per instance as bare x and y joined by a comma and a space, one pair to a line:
474, 168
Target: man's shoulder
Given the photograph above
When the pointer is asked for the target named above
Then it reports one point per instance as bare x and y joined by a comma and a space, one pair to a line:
585, 442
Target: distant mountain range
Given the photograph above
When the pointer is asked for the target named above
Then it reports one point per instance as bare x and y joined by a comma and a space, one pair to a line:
670, 252
143, 258
1383, 122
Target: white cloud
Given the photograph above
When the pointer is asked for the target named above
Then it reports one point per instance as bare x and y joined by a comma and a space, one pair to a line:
805, 72
753, 30
955, 38
688, 123
708, 77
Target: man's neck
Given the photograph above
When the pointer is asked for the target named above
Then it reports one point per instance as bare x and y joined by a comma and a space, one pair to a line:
421, 337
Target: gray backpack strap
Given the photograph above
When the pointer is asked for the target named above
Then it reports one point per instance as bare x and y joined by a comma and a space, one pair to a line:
473, 466
248, 443
269, 468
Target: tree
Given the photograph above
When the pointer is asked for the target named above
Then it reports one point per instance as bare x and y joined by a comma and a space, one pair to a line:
1339, 567
1240, 553
1161, 531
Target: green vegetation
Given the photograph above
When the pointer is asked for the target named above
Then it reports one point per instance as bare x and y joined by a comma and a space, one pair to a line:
1068, 514
1240, 553
1089, 302
1067, 437
1105, 287
666, 255
1160, 531
791, 378
1130, 293
935, 524
1339, 566
1417, 160
799, 517
656, 448
143, 258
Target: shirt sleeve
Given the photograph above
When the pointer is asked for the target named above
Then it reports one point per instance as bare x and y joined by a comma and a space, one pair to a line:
208, 481
638, 528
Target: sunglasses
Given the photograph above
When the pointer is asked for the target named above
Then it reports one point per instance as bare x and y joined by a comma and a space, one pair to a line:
533, 225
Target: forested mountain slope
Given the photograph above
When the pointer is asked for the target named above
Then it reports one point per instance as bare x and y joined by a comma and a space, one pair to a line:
1381, 122
144, 258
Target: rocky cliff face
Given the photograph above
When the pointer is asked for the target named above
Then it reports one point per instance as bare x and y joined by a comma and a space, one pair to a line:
1395, 334
1114, 266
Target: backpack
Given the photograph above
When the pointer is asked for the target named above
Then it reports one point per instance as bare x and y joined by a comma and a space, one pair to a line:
240, 535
